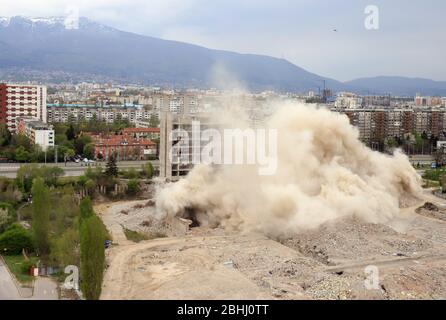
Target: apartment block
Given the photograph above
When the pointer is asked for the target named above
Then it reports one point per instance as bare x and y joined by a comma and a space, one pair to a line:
348, 100
375, 125
421, 101
37, 131
17, 100
177, 156
109, 114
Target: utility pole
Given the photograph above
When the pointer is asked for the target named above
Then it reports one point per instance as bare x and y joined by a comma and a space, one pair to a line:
55, 154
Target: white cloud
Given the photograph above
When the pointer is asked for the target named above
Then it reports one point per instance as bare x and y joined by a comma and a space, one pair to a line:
153, 11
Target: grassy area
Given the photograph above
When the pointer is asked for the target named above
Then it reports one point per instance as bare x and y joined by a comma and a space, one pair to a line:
63, 181
431, 184
19, 267
434, 174
135, 236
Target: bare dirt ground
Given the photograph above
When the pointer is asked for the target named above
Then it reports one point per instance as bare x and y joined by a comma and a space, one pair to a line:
328, 263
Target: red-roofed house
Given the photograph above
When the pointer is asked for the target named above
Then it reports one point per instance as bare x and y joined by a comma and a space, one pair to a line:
146, 133
124, 147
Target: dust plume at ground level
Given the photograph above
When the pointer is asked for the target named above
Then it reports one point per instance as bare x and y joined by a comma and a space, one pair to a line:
324, 173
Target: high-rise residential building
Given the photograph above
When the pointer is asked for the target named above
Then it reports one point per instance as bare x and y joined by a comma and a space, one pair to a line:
348, 100
21, 100
427, 101
176, 155
375, 125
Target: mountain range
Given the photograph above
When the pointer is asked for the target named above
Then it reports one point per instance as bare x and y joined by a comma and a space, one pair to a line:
50, 49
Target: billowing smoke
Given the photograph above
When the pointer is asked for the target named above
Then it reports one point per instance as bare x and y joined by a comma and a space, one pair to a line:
324, 173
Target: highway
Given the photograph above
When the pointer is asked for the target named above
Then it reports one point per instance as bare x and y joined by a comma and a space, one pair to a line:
71, 169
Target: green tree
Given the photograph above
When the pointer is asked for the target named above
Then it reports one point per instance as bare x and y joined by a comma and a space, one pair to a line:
4, 219
14, 240
21, 155
65, 249
133, 187
65, 153
20, 140
148, 170
5, 135
70, 133
90, 185
70, 153
27, 173
111, 168
92, 237
61, 139
51, 174
81, 142
88, 151
93, 174
36, 154
25, 176
130, 173
86, 208
7, 215
41, 215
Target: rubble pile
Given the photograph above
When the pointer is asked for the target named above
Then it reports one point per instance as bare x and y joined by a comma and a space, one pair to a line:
432, 211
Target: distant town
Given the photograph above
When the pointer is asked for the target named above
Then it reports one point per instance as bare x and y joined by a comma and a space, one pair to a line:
125, 120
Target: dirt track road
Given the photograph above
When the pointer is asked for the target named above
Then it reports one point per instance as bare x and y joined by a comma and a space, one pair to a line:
203, 265
176, 268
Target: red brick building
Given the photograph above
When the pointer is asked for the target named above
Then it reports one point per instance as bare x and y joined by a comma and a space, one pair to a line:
146, 133
124, 147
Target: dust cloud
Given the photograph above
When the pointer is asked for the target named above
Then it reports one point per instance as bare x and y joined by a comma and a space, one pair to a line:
324, 173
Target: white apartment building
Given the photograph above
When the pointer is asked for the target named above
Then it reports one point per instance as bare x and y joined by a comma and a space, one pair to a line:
348, 100
18, 100
37, 131
64, 113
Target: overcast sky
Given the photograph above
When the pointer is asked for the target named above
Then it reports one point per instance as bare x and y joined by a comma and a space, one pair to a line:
410, 41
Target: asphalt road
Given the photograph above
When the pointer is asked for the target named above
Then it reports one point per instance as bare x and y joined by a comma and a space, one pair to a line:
72, 169
8, 290
44, 288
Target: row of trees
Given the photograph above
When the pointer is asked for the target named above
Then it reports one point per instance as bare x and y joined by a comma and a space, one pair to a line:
18, 147
62, 232
92, 252
74, 127
72, 142
93, 178
90, 234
